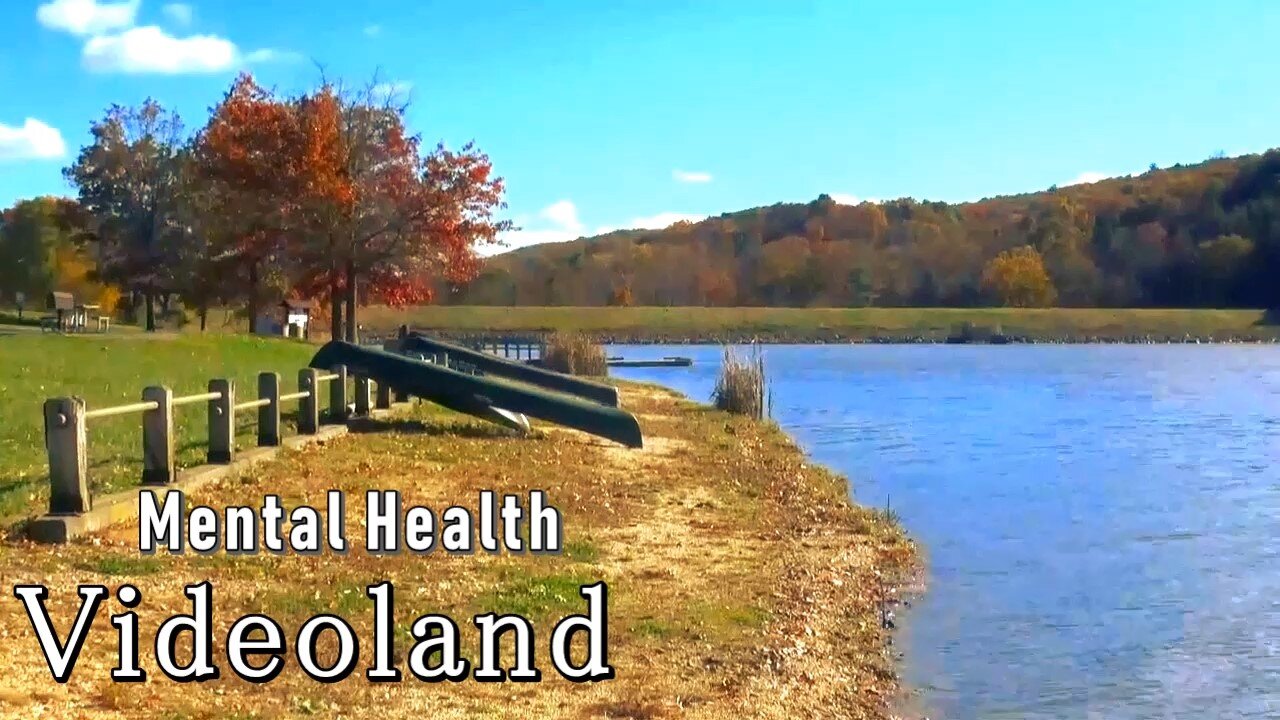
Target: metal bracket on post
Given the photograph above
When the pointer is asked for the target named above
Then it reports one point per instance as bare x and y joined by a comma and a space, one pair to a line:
64, 441
308, 406
269, 414
222, 422
157, 437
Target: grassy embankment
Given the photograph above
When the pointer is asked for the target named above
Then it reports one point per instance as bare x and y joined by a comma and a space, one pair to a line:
650, 324
742, 582
113, 369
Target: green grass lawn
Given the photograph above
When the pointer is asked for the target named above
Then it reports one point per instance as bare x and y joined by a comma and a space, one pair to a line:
112, 370
810, 324
28, 319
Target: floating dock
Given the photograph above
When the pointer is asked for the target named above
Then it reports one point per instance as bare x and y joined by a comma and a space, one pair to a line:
664, 362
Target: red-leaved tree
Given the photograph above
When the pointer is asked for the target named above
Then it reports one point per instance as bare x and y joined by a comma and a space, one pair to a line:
331, 190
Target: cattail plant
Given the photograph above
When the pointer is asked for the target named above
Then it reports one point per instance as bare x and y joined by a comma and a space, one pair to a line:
742, 385
575, 354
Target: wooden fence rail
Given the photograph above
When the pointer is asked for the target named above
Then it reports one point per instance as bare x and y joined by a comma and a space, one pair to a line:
65, 420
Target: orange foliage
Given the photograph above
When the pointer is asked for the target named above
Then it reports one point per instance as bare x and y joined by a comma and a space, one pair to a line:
339, 187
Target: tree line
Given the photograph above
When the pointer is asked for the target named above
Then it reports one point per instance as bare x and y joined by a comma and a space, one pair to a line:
1206, 235
324, 195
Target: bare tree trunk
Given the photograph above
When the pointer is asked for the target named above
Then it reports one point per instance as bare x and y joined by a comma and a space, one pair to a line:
204, 317
353, 330
253, 297
151, 309
335, 307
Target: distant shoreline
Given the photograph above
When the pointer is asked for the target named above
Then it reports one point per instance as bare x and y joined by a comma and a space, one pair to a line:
896, 340
714, 326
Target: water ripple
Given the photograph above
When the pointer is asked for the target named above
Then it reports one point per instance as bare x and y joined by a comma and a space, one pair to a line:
1103, 523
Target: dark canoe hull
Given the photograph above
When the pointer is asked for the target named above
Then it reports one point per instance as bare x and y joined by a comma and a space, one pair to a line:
479, 395
492, 365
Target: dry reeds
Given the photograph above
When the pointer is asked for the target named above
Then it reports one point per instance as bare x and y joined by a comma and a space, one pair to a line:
575, 354
741, 387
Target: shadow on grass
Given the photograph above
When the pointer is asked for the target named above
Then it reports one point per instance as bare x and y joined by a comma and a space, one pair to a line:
1270, 318
445, 427
15, 506
13, 484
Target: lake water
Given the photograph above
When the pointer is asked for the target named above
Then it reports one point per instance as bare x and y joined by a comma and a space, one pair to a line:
1102, 523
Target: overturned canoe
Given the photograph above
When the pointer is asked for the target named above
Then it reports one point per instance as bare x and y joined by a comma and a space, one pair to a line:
493, 365
476, 395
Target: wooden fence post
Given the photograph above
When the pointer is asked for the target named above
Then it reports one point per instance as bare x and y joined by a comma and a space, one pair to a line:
64, 442
222, 421
157, 437
309, 406
269, 414
384, 396
338, 395
363, 399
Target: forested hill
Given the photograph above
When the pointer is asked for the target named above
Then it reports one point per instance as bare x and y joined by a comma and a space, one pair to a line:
1199, 235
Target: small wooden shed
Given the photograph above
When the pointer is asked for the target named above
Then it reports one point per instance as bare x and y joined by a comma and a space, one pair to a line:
291, 318
60, 301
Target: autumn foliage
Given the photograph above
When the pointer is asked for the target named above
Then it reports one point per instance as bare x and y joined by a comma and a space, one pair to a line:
1204, 235
324, 195
44, 248
1017, 278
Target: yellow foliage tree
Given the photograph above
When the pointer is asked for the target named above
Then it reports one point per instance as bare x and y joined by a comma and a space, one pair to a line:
621, 296
1017, 278
72, 272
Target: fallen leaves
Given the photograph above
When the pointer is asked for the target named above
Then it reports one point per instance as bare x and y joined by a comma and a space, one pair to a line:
733, 560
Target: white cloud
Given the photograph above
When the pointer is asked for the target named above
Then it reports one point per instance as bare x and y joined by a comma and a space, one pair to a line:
34, 140
266, 55
846, 198
1086, 178
87, 17
525, 238
179, 13
689, 176
564, 215
373, 30
115, 44
149, 49
560, 222
663, 220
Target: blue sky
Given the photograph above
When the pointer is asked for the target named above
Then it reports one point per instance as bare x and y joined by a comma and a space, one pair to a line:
621, 113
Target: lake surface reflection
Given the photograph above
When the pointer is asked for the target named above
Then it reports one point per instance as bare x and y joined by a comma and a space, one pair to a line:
1102, 523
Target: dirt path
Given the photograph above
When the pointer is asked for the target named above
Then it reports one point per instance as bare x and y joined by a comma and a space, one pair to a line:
741, 582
